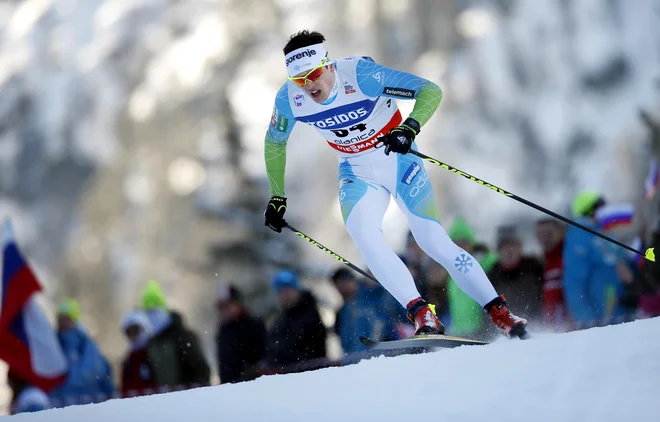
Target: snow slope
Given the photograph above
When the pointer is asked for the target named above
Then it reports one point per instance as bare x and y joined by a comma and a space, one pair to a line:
602, 374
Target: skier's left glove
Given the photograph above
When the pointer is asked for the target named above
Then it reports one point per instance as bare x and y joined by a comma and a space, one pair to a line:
400, 138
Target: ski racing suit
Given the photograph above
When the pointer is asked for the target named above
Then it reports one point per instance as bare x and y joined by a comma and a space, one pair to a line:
360, 109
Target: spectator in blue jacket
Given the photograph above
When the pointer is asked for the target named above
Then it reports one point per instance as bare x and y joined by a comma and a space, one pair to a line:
89, 379
369, 311
590, 265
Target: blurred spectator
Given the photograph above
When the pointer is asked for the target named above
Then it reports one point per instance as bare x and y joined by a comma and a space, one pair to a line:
31, 400
467, 317
415, 258
174, 351
370, 312
137, 376
550, 236
298, 333
347, 286
649, 289
345, 282
414, 254
517, 277
241, 339
89, 378
25, 398
590, 265
616, 221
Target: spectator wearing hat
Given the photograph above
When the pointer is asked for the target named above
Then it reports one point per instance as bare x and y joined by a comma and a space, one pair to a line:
30, 400
137, 376
89, 378
590, 264
368, 310
174, 350
298, 333
241, 338
25, 398
516, 276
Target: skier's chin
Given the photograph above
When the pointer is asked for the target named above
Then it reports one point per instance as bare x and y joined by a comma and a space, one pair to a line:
318, 95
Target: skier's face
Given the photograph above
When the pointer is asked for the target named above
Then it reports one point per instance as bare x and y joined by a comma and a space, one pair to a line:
319, 89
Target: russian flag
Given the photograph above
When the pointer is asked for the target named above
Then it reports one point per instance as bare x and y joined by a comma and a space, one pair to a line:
651, 182
612, 216
27, 341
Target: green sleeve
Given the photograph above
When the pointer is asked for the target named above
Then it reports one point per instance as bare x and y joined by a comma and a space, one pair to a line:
427, 101
275, 154
281, 125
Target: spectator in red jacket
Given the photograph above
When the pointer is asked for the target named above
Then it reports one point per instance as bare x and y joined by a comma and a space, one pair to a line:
550, 235
137, 376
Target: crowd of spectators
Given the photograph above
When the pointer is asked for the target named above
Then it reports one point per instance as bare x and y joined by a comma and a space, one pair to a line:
577, 281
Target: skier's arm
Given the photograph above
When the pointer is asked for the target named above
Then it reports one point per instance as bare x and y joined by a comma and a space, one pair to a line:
277, 136
377, 80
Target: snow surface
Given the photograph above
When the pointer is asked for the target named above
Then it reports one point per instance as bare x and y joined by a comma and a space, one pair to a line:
602, 374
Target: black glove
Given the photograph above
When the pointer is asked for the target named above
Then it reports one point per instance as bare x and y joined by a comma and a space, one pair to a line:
400, 138
275, 213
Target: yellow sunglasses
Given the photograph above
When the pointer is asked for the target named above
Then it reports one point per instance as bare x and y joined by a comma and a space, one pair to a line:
311, 76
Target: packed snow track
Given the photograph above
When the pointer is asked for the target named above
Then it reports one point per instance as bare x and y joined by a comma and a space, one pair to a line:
601, 374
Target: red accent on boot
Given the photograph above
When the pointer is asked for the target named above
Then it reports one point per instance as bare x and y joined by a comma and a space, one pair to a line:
426, 322
505, 320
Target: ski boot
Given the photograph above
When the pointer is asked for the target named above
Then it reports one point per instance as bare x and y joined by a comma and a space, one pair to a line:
509, 324
422, 314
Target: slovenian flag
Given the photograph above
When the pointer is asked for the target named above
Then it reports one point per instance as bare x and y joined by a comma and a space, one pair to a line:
27, 340
651, 182
612, 216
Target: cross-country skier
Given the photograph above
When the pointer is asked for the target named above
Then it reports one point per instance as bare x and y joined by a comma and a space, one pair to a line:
351, 102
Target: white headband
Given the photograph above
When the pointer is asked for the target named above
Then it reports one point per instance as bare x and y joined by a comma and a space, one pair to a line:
304, 59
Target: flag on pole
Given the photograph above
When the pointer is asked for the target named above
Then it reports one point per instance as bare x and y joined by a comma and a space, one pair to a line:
612, 216
28, 342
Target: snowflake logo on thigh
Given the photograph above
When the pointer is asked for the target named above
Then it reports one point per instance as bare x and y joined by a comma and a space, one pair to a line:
463, 263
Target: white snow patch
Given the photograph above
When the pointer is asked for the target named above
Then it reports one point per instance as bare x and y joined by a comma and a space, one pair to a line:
602, 374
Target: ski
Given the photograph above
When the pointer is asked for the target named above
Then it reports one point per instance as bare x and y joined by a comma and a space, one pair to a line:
423, 341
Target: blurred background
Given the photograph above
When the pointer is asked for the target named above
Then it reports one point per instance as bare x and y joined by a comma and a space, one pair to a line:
131, 135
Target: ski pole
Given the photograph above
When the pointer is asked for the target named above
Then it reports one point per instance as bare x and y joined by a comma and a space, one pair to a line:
329, 252
649, 254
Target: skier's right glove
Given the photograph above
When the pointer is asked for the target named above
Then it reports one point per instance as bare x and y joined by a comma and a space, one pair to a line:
275, 213
401, 138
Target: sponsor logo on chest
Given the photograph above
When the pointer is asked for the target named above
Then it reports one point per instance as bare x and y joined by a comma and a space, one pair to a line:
341, 119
